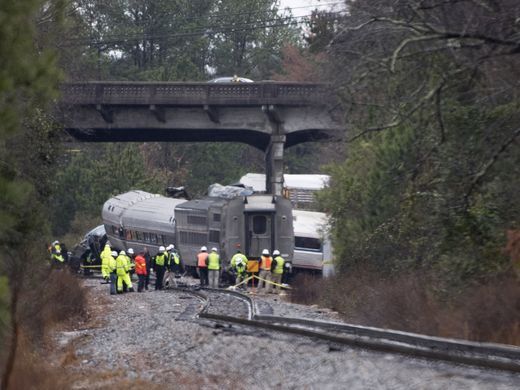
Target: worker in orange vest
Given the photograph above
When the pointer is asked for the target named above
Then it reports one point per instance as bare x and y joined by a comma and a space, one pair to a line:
202, 265
141, 271
265, 269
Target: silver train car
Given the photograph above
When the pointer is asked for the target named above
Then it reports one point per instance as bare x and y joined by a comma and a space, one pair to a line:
252, 223
138, 219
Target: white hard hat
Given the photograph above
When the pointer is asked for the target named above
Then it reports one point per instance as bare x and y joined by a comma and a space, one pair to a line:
170, 247
122, 253
265, 252
55, 242
58, 252
161, 249
114, 253
130, 251
214, 249
276, 252
203, 249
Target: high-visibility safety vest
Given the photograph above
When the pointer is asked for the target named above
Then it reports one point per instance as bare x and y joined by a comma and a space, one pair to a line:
112, 264
175, 257
140, 265
213, 261
121, 265
129, 264
265, 262
278, 268
201, 259
56, 253
160, 259
239, 262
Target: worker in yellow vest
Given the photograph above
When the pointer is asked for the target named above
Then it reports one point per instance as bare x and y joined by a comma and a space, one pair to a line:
238, 265
122, 271
173, 267
105, 256
277, 267
57, 259
213, 268
160, 262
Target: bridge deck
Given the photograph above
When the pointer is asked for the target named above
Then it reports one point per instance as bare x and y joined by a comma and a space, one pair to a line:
195, 93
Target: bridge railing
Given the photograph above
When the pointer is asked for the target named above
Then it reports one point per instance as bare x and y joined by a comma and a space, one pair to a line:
195, 93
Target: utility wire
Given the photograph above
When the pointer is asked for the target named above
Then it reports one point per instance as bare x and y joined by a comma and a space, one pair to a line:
213, 29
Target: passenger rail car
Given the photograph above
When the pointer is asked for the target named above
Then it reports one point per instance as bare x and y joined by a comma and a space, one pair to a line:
138, 219
312, 247
251, 223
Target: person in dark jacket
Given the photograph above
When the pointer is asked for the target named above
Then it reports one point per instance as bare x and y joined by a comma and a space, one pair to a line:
148, 260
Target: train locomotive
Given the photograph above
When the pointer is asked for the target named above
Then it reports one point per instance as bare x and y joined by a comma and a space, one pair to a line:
226, 220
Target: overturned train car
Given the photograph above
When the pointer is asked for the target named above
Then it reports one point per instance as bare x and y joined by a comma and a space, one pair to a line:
139, 219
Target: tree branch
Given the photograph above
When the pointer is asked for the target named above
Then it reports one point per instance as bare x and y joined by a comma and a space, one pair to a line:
477, 179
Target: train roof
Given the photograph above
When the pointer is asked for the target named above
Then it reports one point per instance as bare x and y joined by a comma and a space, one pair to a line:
305, 182
141, 208
157, 211
201, 204
310, 223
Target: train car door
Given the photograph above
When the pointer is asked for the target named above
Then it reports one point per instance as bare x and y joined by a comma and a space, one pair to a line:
259, 233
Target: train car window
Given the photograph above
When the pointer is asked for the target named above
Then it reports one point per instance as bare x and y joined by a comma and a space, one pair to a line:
259, 224
214, 236
129, 235
192, 238
307, 243
153, 238
121, 232
146, 237
114, 230
197, 220
138, 236
216, 217
163, 239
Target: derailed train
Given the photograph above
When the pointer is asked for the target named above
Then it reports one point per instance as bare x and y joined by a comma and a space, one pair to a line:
139, 219
251, 222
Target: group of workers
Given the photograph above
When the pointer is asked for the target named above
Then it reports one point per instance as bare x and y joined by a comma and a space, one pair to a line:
117, 268
271, 269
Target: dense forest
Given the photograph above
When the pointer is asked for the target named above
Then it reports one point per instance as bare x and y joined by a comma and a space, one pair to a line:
424, 192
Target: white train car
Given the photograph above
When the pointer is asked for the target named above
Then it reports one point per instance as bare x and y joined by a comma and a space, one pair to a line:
312, 247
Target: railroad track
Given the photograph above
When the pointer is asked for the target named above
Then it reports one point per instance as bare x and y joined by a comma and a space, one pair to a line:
235, 307
488, 355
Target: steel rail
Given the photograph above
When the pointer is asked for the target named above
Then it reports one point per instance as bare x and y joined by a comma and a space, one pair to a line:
249, 302
420, 340
383, 345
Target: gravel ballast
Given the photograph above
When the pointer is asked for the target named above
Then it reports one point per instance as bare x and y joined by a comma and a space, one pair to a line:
154, 339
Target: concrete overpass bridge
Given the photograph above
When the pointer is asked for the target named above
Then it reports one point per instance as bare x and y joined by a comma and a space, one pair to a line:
270, 116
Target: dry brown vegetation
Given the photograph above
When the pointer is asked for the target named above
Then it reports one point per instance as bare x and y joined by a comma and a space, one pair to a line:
488, 312
57, 300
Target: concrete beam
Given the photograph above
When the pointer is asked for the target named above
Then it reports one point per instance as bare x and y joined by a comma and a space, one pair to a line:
158, 112
106, 113
212, 113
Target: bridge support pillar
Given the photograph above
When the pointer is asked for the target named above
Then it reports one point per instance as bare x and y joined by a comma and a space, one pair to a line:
274, 165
